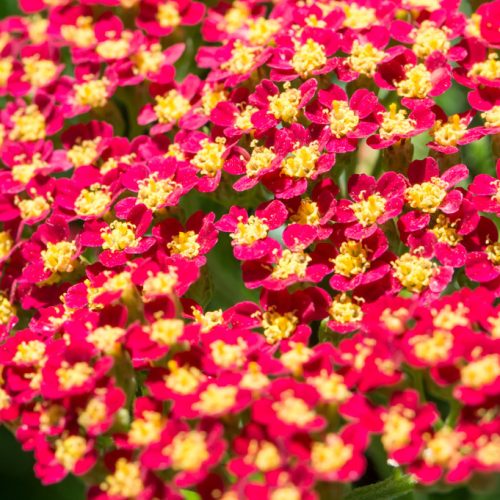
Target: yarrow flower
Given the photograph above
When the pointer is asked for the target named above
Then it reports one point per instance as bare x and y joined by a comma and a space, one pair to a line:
250, 249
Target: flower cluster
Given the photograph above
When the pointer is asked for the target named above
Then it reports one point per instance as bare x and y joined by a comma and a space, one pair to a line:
243, 252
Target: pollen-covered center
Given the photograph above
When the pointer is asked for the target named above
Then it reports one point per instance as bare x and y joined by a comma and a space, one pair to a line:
209, 159
301, 163
417, 83
369, 209
427, 196
168, 15
247, 233
59, 257
291, 264
93, 200
395, 122
171, 107
365, 58
308, 57
119, 236
285, 106
413, 272
154, 192
352, 259
185, 244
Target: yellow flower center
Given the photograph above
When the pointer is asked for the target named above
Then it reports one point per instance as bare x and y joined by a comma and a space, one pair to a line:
84, 152
227, 355
6, 244
244, 118
208, 160
242, 59
359, 17
93, 414
344, 310
278, 326
264, 455
446, 232
209, 320
32, 207
369, 209
236, 16
37, 29
352, 259
148, 60
166, 331
25, 171
29, 124
291, 263
260, 159
147, 429
7, 310
160, 283
489, 69
296, 357
71, 376
82, 35
93, 93
125, 482
426, 196
448, 318
261, 30
107, 339
413, 272
114, 49
331, 387
493, 253
185, 244
59, 257
32, 351
342, 119
308, 57
248, 233
70, 450
285, 106
433, 348
93, 200
188, 451
6, 65
443, 448
331, 455
183, 379
481, 372
216, 399
38, 72
492, 117
488, 453
168, 15
154, 192
448, 134
365, 58
292, 410
307, 213
428, 38
211, 97
118, 236
394, 122
417, 83
301, 163
171, 107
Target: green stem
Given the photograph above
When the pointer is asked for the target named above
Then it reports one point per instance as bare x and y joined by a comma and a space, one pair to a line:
393, 487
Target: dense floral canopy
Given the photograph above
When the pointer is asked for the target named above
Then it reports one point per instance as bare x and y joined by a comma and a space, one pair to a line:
242, 252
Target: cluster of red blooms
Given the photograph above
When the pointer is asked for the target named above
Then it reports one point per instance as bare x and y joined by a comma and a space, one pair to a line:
377, 320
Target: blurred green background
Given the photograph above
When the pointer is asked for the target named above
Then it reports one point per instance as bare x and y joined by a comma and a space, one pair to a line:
16, 467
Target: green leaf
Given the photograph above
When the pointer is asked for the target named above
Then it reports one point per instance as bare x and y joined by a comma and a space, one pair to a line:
393, 487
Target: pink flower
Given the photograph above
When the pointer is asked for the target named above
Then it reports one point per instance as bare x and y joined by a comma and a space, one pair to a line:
345, 122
